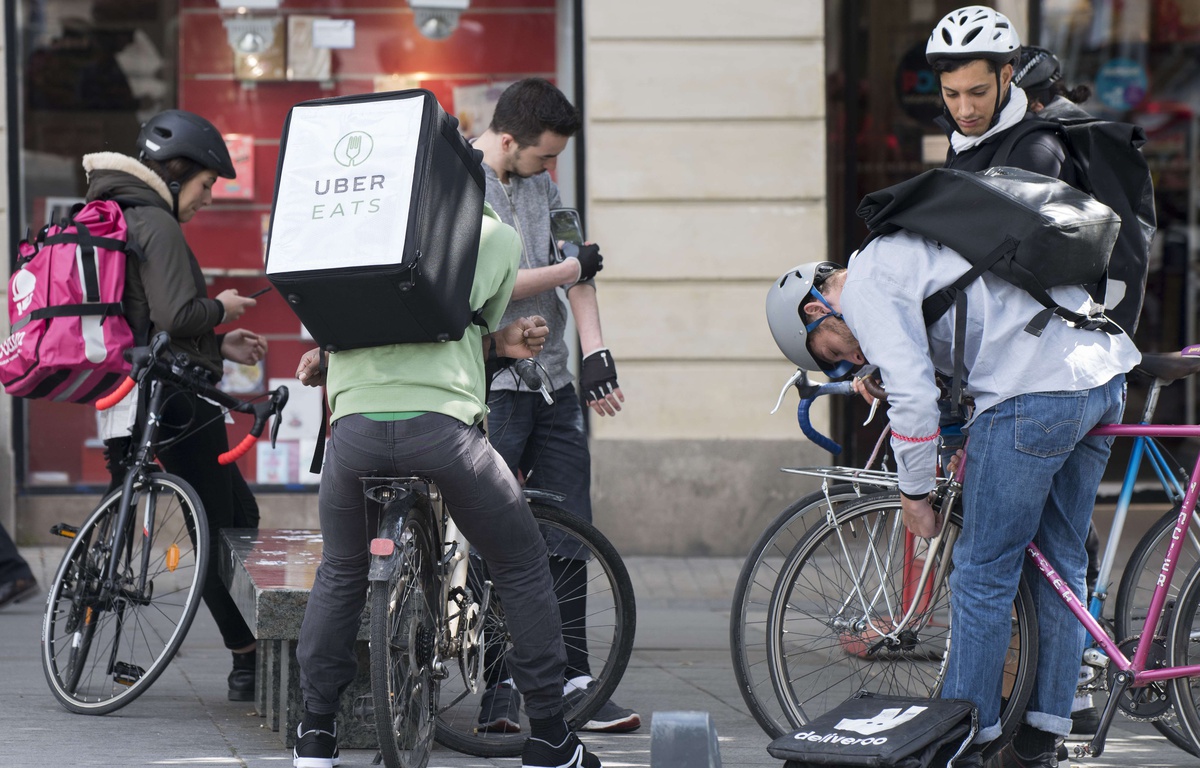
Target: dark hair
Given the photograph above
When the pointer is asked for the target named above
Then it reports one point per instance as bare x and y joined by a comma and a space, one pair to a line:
528, 108
1044, 96
177, 169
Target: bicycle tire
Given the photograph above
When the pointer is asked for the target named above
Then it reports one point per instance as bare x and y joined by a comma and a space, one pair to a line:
747, 619
100, 653
822, 648
404, 628
1184, 650
611, 625
1137, 588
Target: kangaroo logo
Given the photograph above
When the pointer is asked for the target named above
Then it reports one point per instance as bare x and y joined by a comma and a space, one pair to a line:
353, 149
884, 721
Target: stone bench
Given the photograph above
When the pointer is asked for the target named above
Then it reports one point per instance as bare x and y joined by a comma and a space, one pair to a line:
269, 574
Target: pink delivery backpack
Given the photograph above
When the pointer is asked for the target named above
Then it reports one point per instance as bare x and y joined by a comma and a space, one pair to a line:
64, 305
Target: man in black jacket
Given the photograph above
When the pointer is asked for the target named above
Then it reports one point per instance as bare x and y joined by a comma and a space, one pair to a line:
973, 51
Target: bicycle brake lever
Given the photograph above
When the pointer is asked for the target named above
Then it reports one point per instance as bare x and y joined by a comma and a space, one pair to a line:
280, 399
871, 414
797, 376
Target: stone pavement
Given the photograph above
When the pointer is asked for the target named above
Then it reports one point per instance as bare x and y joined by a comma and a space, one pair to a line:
681, 662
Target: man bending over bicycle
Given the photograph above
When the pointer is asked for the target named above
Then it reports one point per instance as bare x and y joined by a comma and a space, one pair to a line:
415, 409
1032, 470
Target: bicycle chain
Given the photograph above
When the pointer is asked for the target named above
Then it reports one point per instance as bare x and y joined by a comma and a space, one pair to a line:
1132, 702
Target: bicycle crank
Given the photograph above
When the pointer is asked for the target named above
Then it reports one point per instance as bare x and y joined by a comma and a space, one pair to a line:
1151, 702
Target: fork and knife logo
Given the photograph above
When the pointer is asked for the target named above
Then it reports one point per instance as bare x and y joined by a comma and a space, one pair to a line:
353, 149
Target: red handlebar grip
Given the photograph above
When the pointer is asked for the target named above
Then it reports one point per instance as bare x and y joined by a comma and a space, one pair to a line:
237, 451
117, 395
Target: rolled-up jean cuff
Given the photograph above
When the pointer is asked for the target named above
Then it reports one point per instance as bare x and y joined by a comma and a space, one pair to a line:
991, 733
1059, 726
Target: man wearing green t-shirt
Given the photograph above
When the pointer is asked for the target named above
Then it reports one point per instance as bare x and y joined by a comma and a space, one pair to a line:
415, 410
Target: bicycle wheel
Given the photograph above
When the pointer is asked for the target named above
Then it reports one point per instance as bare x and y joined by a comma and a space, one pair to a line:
404, 638
748, 616
103, 648
590, 582
1138, 583
1184, 650
840, 595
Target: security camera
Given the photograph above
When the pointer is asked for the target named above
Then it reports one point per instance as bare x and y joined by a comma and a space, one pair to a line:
437, 19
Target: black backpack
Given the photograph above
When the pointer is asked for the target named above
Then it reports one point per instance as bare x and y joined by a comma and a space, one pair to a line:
1028, 229
1109, 166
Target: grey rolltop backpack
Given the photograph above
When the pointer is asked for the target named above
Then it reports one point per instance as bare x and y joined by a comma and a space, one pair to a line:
376, 220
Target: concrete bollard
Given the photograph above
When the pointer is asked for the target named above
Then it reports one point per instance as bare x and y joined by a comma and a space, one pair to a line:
683, 740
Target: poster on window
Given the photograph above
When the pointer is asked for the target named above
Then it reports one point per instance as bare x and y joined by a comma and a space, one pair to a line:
474, 105
241, 151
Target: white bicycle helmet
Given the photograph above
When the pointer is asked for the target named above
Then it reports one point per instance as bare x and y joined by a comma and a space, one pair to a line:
785, 315
974, 32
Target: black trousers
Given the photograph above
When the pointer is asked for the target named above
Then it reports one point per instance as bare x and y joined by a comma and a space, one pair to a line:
228, 502
12, 565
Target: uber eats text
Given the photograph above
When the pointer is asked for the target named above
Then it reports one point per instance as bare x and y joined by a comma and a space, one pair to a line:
358, 202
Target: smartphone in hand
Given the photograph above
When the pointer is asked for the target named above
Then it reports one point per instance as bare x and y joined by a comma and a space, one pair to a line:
565, 226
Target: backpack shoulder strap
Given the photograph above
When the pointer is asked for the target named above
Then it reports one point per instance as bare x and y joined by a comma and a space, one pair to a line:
1020, 131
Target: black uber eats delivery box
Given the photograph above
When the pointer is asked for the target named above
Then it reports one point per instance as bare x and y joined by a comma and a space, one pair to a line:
376, 219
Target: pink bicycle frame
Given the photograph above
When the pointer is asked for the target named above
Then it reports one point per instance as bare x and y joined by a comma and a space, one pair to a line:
1141, 675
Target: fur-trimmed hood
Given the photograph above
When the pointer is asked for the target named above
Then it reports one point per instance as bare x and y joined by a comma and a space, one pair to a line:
115, 161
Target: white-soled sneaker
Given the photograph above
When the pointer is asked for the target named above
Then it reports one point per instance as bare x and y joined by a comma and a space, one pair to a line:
570, 754
610, 718
315, 749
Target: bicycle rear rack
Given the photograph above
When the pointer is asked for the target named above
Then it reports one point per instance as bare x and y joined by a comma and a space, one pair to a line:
873, 477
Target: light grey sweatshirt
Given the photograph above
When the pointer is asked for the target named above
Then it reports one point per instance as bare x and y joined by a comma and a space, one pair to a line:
524, 204
881, 302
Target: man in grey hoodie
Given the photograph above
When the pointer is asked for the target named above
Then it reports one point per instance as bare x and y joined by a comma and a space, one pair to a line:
544, 442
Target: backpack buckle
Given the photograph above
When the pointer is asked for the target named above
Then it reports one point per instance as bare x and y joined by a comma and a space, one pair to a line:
1094, 323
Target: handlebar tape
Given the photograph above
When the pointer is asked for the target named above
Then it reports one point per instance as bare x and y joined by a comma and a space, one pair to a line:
238, 450
812, 434
117, 395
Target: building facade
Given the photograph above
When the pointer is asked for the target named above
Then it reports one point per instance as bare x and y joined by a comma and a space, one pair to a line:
723, 144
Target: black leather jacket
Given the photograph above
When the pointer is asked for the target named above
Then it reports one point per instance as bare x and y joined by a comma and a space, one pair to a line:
1040, 152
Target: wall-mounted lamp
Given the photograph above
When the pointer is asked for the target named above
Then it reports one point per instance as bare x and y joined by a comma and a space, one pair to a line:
437, 19
250, 35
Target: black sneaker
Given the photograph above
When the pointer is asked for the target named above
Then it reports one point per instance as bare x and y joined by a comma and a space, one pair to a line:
1085, 721
570, 754
610, 718
500, 710
241, 685
315, 749
1009, 758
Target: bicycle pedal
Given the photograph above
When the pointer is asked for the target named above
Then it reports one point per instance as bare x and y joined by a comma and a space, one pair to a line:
65, 530
127, 674
364, 709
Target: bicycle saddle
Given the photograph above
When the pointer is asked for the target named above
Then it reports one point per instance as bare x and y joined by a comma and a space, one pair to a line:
1170, 366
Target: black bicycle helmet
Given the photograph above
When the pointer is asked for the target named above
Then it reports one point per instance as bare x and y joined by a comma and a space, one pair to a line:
176, 133
1037, 70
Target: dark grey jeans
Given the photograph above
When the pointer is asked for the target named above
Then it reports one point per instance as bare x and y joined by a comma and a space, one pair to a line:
487, 504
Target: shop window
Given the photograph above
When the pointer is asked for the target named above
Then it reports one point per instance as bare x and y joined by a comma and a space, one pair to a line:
93, 71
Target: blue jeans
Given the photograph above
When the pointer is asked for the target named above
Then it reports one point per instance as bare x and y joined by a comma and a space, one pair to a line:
1032, 475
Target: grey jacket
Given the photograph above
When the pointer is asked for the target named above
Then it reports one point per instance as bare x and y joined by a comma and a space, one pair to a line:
525, 205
